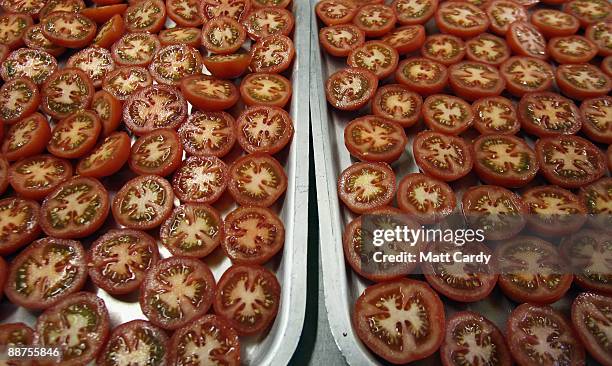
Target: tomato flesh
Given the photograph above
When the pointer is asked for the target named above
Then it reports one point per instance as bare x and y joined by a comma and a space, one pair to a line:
590, 316
26, 138
200, 179
145, 16
599, 34
19, 98
425, 199
495, 115
154, 107
488, 49
526, 40
208, 133
272, 54
208, 93
35, 39
227, 66
19, 223
334, 12
124, 81
75, 135
107, 158
223, 35
143, 203
443, 48
95, 61
410, 12
12, 29
262, 129
268, 21
192, 230
502, 13
189, 36
375, 139
270, 90
36, 176
339, 40
447, 114
397, 103
422, 76
135, 49
159, 152
473, 80
461, 19
406, 39
366, 186
110, 32
35, 64
587, 253
441, 156
109, 110
554, 211
375, 56
184, 12
66, 92
554, 23
375, 19
165, 67
136, 339
583, 81
548, 114
67, 29
350, 89
256, 179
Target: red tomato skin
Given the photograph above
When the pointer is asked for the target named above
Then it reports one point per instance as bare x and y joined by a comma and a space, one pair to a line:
101, 14
155, 27
349, 9
411, 45
515, 87
603, 28
388, 157
65, 41
383, 200
462, 33
574, 92
471, 92
341, 52
433, 5
581, 305
129, 37
165, 170
517, 46
585, 19
562, 58
545, 229
120, 156
227, 69
434, 125
39, 137
289, 54
435, 172
472, 56
37, 193
378, 108
17, 42
204, 103
116, 30
235, 26
86, 146
183, 192
380, 72
281, 102
181, 21
193, 147
84, 102
590, 129
355, 104
403, 203
115, 106
530, 127
244, 200
27, 107
379, 31
550, 31
428, 51
161, 213
417, 84
26, 234
122, 334
480, 124
273, 147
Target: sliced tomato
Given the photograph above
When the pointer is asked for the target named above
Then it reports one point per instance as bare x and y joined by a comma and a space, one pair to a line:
101, 14
26, 138
184, 12
554, 23
375, 20
420, 320
444, 157
350, 89
66, 92
145, 16
135, 49
200, 179
269, 21
173, 63
28, 7
397, 103
135, 340
526, 75
236, 9
589, 11
108, 109
472, 80
19, 98
143, 203
554, 211
262, 129
110, 32
192, 230
526, 40
36, 176
596, 197
208, 133
107, 158
597, 119
4, 52
375, 139
270, 90
158, 152
273, 54
256, 180
495, 115
176, 291
248, 297
4, 174
208, 93
19, 224
190, 36
35, 64
422, 75
443, 48
461, 19
587, 253
410, 12
502, 13
77, 325
223, 35
210, 338
52, 6
75, 135
68, 29
95, 61
447, 114
227, 66
124, 81
339, 40
16, 334
548, 114
334, 12
572, 49
119, 260
154, 107
425, 199
473, 339
35, 39
46, 272
375, 56
582, 81
590, 317
600, 34
406, 39
12, 29
488, 49
365, 186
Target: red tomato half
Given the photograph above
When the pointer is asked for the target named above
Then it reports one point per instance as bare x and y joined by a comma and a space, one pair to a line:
110, 32
473, 80
208, 93
554, 211
71, 30
35, 39
107, 158
158, 152
164, 68
184, 12
526, 75
189, 36
447, 114
422, 75
502, 13
227, 66
256, 180
208, 133
572, 49
145, 16
75, 135
143, 203
35, 64
495, 115
600, 34
597, 119
236, 9
339, 40
443, 48
102, 14
375, 139
30, 7
425, 199
262, 129
411, 12
200, 179
526, 40
12, 29
270, 90
268, 21
596, 197
135, 339
19, 224
583, 81
375, 56
444, 157
606, 65
406, 39
36, 176
135, 49
365, 186
19, 98
375, 19
350, 89
273, 54
589, 11
334, 12
488, 49
397, 103
154, 107
589, 318
586, 252
65, 92
124, 81
461, 19
26, 138
72, 6
554, 23
95, 61
548, 114
109, 110
16, 334
223, 35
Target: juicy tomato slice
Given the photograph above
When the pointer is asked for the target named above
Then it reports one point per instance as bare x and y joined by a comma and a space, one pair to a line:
200, 179
252, 235
208, 133
66, 92
447, 114
34, 64
190, 36
350, 89
526, 40
35, 39
504, 160
334, 12
227, 66
75, 208
270, 90
35, 177
101, 14
375, 139
12, 29
223, 35
495, 115
365, 186
52, 6
173, 63
19, 98
75, 135
135, 340
67, 29
256, 180
19, 219
77, 325
589, 11
248, 298
548, 114
26, 138
556, 341
600, 34
588, 254
28, 7
143, 203
192, 230
596, 197
397, 103
419, 312
145, 16
124, 81
554, 23
236, 9
461, 19
159, 152
268, 21
16, 334
163, 295
95, 61
107, 158
488, 49
375, 56
262, 129
526, 75
184, 12
108, 109
339, 40
425, 199
135, 49
119, 260
406, 39
554, 211
209, 338
597, 119
208, 93
590, 316
422, 75
472, 80
375, 20
444, 157
502, 13
154, 107
110, 32
443, 48
46, 272
410, 12
582, 81
272, 54
572, 49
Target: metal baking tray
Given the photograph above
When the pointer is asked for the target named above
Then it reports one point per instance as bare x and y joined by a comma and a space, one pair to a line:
276, 346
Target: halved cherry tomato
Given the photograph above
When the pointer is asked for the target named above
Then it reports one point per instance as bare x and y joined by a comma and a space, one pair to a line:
16, 335
208, 93
19, 98
590, 317
67, 29
365, 186
110, 32
548, 114
209, 338
270, 90
227, 66
554, 23
176, 291
587, 253
52, 6
158, 152
37, 176
248, 297
27, 7
107, 158
102, 14
582, 81
444, 157
422, 75
472, 338
95, 61
135, 49
200, 179
26, 138
173, 63
410, 12
334, 12
461, 19
153, 107
443, 48
262, 129
269, 21
119, 260
502, 13
447, 114
600, 34
46, 272
375, 19
526, 75
184, 12
19, 224
488, 49
498, 212
236, 9
108, 109
124, 81
339, 40
35, 64
425, 199
596, 197
12, 29
208, 133
472, 80
272, 54
375, 56
572, 49
35, 39
397, 103
66, 92
495, 115
135, 340
4, 174
597, 119
554, 211
350, 89
406, 39
589, 11
77, 325
143, 203
420, 320
145, 16
223, 35
190, 36
75, 135
375, 139
256, 180
526, 40
532, 270
192, 230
